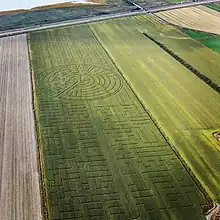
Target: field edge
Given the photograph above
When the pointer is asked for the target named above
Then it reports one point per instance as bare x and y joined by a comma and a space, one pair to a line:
200, 187
40, 157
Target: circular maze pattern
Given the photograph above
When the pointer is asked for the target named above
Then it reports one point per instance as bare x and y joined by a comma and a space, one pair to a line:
81, 81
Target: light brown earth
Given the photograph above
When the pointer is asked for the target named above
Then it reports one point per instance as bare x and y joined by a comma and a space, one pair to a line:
12, 11
19, 179
197, 18
65, 4
209, 10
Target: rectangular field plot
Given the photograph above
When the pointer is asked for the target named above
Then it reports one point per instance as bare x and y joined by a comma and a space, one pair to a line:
181, 103
191, 18
19, 183
215, 6
191, 51
104, 158
211, 41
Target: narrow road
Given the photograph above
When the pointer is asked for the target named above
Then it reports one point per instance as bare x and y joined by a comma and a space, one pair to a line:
102, 18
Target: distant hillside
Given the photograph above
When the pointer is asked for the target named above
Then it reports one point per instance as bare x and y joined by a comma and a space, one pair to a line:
13, 11
58, 5
66, 4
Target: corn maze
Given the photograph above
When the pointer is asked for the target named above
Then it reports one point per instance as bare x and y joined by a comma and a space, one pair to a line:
104, 157
81, 81
170, 91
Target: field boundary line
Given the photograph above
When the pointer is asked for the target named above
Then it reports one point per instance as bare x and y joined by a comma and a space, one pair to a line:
206, 196
40, 157
200, 75
92, 19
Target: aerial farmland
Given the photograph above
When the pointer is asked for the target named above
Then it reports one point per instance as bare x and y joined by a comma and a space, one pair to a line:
18, 162
113, 119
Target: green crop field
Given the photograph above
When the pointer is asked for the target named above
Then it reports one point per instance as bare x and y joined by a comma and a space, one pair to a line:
186, 108
102, 155
193, 52
214, 6
212, 41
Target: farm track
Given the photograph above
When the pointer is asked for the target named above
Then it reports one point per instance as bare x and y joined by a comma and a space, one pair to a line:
102, 152
19, 183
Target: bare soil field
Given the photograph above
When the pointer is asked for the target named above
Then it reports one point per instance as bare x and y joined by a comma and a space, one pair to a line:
209, 10
19, 181
192, 17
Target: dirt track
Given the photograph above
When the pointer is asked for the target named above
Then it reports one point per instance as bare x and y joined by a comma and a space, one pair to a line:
19, 184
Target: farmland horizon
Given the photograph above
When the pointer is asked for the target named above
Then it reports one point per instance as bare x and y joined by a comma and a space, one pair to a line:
110, 112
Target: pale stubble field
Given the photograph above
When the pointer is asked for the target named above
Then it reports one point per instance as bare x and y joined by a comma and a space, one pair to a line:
19, 179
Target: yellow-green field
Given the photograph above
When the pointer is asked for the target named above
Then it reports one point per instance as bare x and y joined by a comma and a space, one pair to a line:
186, 108
103, 156
193, 52
120, 121
199, 18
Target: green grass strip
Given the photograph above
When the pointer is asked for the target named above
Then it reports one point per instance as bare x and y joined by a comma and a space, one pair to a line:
212, 41
215, 7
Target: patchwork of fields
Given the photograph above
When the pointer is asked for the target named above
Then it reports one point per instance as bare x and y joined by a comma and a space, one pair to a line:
193, 52
102, 151
191, 18
212, 41
125, 128
185, 107
214, 6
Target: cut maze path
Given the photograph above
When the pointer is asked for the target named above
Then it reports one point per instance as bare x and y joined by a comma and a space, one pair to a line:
185, 107
104, 158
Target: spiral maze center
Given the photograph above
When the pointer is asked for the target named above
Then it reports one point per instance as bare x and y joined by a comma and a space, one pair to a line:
81, 81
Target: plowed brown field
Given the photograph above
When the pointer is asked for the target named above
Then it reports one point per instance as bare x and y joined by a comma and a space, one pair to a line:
19, 182
192, 17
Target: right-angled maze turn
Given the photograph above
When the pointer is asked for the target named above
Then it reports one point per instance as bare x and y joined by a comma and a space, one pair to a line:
103, 155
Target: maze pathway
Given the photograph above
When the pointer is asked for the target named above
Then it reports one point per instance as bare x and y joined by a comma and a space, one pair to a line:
104, 158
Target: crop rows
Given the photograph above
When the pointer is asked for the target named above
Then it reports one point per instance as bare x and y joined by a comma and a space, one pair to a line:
104, 158
188, 66
192, 52
184, 106
19, 183
212, 41
192, 17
